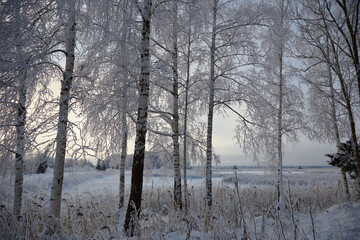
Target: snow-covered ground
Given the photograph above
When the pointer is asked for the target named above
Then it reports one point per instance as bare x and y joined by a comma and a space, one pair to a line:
92, 181
316, 195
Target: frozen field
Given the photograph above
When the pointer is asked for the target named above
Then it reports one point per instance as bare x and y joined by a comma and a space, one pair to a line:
77, 181
316, 195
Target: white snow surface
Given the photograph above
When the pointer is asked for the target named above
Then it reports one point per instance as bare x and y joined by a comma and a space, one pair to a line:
340, 221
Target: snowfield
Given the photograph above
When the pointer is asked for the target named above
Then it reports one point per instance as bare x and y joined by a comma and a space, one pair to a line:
90, 206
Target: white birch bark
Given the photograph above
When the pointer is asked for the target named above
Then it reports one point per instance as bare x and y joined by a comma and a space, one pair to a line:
175, 122
61, 138
209, 149
20, 121
20, 146
134, 205
124, 138
187, 88
280, 34
123, 106
281, 199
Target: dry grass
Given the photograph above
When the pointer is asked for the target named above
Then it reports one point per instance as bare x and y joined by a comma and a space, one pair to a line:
251, 211
97, 216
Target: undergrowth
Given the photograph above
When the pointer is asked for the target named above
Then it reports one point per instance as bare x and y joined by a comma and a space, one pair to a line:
237, 213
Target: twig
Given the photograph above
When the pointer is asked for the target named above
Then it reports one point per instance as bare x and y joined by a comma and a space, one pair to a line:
240, 205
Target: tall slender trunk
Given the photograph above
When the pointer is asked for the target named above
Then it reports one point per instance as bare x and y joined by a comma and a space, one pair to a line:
134, 205
187, 86
281, 199
336, 128
123, 105
20, 146
353, 131
353, 31
209, 150
20, 120
124, 138
347, 98
61, 138
175, 123
352, 125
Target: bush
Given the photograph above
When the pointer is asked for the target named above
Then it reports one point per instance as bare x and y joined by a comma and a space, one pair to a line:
42, 167
101, 166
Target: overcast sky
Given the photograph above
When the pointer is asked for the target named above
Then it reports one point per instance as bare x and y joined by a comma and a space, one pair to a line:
304, 153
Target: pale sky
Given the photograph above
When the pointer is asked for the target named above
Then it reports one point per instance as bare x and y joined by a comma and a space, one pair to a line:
304, 153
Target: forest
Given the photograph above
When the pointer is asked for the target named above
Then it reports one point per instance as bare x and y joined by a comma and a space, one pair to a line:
82, 79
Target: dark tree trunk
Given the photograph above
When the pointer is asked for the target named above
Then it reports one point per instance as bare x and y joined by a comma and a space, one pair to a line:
175, 123
209, 151
134, 205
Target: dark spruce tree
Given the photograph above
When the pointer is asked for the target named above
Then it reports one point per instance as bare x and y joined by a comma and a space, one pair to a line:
345, 159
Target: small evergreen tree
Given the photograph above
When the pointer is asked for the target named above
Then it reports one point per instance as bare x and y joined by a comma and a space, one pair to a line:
42, 167
345, 159
100, 165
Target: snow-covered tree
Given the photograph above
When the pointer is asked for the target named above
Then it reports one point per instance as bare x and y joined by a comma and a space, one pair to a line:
343, 16
24, 48
275, 98
66, 84
192, 61
316, 24
230, 46
109, 78
134, 204
326, 116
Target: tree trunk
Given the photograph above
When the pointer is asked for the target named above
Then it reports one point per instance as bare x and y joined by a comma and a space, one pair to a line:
123, 110
281, 199
61, 138
353, 31
138, 162
187, 86
209, 150
20, 120
124, 138
336, 128
348, 104
175, 123
20, 149
352, 127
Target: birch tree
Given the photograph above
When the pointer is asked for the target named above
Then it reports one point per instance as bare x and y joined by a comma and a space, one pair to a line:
23, 58
166, 105
230, 49
344, 18
192, 58
171, 117
210, 117
316, 25
21, 116
278, 36
66, 84
326, 112
275, 101
108, 80
134, 204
